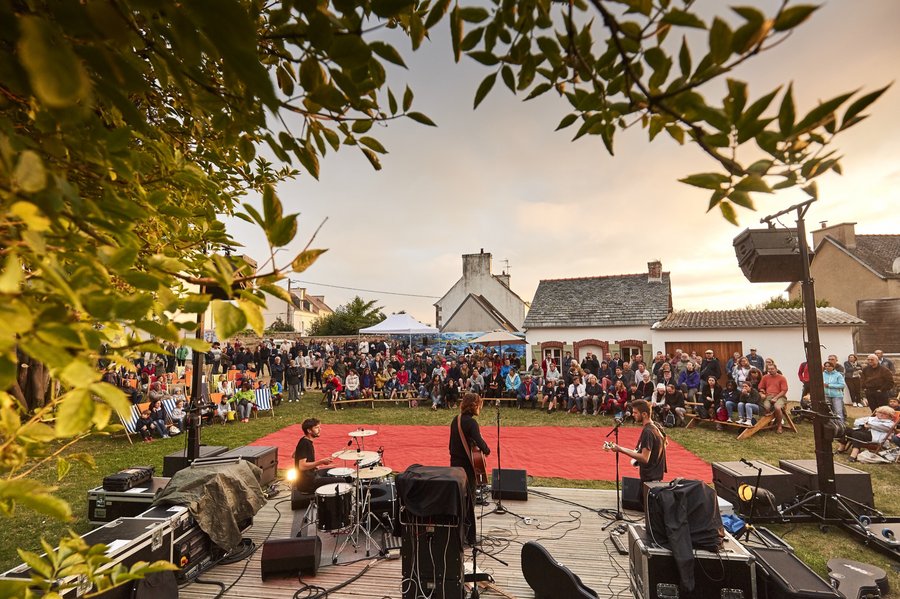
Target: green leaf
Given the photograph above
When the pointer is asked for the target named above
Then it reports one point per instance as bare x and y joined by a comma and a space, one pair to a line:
753, 183
456, 32
387, 52
229, 319
706, 180
812, 190
861, 104
113, 396
421, 118
62, 468
792, 16
736, 99
719, 41
12, 277
488, 59
37, 497
508, 78
29, 174
74, 413
820, 114
305, 259
254, 316
437, 13
684, 58
57, 76
350, 51
786, 112
683, 18
374, 144
271, 206
279, 292
473, 14
566, 121
389, 8
372, 157
31, 215
309, 159
741, 198
198, 345
484, 88
728, 212
407, 99
754, 110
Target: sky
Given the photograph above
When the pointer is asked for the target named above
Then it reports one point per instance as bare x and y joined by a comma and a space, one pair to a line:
500, 179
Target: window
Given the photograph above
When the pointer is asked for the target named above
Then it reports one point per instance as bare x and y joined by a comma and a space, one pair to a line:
553, 353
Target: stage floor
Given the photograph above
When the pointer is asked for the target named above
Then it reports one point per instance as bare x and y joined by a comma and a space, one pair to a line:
565, 521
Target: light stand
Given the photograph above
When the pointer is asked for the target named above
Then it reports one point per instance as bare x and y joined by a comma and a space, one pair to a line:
825, 505
193, 412
619, 516
499, 508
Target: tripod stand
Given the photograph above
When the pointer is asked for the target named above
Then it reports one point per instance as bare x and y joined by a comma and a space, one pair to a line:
618, 516
499, 508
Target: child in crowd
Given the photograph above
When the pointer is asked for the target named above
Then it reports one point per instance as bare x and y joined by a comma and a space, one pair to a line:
144, 426
178, 415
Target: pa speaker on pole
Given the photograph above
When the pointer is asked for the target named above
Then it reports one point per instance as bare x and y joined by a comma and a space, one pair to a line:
769, 255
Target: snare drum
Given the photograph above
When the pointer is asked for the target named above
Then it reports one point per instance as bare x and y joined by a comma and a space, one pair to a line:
345, 473
334, 504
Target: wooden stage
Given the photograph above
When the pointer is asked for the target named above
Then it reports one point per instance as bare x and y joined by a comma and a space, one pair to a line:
565, 521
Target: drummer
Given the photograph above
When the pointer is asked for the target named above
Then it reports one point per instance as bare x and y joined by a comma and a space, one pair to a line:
308, 479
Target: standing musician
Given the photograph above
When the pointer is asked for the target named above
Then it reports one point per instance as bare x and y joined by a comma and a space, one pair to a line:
650, 453
464, 433
305, 460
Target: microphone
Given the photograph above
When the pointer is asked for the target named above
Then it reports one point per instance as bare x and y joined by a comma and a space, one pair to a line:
744, 461
619, 421
350, 442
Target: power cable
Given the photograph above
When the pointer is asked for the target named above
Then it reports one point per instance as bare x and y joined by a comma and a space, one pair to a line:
368, 290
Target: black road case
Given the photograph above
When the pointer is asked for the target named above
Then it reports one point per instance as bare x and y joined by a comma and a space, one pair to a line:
129, 540
850, 482
105, 506
266, 458
729, 476
174, 462
727, 574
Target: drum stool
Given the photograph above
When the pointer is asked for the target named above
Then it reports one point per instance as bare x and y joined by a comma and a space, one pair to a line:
301, 500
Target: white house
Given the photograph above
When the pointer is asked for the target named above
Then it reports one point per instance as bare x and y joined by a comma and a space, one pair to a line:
479, 300
598, 314
300, 313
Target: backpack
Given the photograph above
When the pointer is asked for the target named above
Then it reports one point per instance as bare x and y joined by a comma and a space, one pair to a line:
722, 414
670, 420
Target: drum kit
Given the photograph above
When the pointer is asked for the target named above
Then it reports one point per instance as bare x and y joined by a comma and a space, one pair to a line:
365, 500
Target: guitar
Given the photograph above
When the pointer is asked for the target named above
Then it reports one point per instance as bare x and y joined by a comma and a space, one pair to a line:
480, 466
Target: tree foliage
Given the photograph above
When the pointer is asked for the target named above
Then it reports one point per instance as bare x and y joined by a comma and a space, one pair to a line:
280, 326
129, 128
779, 301
348, 319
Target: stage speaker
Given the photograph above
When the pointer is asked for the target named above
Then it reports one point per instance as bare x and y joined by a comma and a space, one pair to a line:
432, 561
509, 484
782, 575
632, 494
769, 255
290, 557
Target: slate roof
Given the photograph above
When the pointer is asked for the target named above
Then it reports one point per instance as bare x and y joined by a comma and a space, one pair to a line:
600, 302
752, 319
878, 252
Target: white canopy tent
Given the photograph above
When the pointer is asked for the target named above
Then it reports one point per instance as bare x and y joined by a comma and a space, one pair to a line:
399, 324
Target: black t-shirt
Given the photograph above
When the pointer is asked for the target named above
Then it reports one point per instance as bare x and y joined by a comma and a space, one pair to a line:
656, 466
305, 449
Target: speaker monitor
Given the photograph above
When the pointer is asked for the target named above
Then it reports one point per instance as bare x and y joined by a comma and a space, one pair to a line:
769, 255
290, 557
509, 484
632, 496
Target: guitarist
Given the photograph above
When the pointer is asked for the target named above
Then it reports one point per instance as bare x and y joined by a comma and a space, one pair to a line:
464, 435
650, 453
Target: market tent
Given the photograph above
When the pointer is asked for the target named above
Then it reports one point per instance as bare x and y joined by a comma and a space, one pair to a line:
498, 338
399, 324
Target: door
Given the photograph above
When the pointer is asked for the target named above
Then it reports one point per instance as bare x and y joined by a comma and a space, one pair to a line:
722, 350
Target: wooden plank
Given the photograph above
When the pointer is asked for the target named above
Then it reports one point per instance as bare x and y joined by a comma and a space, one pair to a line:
566, 521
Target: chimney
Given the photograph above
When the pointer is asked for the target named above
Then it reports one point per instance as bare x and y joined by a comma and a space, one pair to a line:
654, 272
843, 233
476, 265
503, 278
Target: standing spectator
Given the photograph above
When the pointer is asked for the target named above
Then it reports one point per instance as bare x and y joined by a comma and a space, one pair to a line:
733, 361
834, 389
710, 366
803, 375
773, 390
181, 354
886, 362
294, 376
741, 371
852, 370
756, 360
877, 380
278, 371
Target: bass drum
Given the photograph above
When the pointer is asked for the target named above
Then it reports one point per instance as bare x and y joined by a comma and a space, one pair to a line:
385, 510
334, 505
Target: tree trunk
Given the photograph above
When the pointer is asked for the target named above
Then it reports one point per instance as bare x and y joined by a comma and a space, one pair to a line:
32, 383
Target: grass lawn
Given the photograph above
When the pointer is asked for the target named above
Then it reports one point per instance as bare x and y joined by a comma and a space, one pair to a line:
24, 528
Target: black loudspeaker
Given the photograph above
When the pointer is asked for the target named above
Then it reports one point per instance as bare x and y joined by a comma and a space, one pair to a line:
290, 557
509, 484
769, 255
632, 494
432, 561
782, 575
158, 584
850, 482
729, 476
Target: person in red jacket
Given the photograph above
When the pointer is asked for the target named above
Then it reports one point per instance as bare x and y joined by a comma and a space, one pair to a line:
803, 375
333, 389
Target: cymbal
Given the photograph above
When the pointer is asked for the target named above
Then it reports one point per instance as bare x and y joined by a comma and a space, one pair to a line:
353, 455
373, 472
363, 433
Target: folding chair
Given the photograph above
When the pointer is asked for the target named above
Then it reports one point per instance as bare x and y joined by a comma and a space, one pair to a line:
263, 401
129, 422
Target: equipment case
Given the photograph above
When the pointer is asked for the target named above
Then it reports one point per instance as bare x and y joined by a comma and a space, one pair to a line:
266, 458
174, 462
848, 481
105, 506
729, 476
130, 540
727, 574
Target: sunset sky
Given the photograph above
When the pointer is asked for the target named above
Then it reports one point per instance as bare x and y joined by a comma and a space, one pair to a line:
501, 179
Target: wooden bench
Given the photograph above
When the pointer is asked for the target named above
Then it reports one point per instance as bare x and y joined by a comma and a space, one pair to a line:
764, 422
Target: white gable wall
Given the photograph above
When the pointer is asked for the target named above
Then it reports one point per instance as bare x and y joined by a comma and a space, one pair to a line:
477, 279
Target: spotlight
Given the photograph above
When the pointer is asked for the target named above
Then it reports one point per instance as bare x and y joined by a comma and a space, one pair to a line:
292, 474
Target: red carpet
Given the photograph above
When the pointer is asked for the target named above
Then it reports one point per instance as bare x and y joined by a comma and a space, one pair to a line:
549, 451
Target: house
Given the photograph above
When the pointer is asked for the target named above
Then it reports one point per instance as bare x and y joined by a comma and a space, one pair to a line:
480, 300
303, 310
778, 334
598, 314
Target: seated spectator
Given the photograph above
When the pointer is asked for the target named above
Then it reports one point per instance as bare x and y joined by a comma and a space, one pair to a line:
223, 412
755, 377
731, 398
512, 382
710, 398
527, 391
547, 393
392, 387
144, 426
869, 429
381, 378
492, 383
333, 390
475, 384
366, 383
645, 386
673, 410
245, 400
689, 381
576, 394
593, 391
351, 385
451, 392
178, 414
657, 401
748, 405
616, 400
158, 418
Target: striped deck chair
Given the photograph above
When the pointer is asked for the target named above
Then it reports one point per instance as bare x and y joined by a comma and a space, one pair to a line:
169, 405
130, 421
264, 401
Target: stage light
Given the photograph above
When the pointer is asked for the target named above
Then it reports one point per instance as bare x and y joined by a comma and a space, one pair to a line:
292, 474
745, 492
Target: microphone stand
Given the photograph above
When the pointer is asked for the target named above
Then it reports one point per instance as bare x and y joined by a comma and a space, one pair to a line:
619, 516
499, 508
